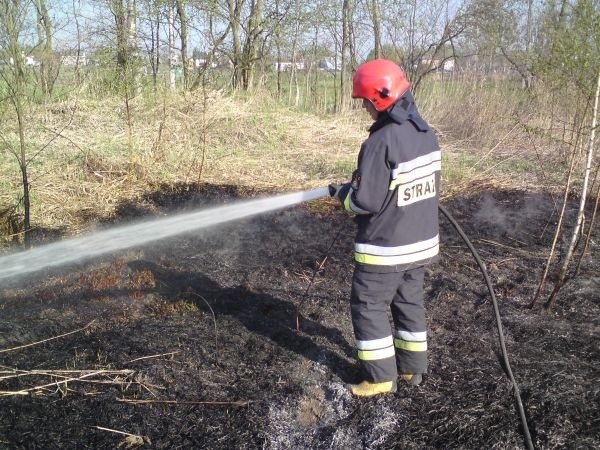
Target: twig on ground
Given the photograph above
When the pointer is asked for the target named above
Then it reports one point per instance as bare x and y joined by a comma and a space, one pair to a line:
47, 340
508, 247
16, 373
497, 244
67, 379
215, 324
116, 431
516, 240
44, 386
152, 356
505, 260
184, 402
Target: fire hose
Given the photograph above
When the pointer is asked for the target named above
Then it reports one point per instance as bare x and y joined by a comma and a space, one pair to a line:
505, 361
507, 369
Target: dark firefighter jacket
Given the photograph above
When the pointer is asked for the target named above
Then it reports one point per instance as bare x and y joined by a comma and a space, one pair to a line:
395, 192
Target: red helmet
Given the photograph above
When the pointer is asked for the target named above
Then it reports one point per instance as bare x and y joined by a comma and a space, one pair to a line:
380, 81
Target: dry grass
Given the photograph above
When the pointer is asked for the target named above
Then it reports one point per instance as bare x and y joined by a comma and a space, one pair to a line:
86, 168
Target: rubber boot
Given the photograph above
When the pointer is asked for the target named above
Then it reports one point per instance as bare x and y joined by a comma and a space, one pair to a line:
368, 389
413, 379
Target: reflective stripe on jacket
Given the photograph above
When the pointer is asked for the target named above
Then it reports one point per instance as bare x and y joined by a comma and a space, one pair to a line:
395, 192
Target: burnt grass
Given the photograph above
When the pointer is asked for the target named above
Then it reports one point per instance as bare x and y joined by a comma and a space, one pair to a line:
211, 317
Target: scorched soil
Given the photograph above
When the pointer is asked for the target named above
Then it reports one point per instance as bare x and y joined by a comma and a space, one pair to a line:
212, 341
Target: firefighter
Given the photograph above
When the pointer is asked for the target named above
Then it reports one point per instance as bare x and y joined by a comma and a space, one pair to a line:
394, 194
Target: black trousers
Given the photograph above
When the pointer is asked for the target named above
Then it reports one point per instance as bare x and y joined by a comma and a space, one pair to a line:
384, 352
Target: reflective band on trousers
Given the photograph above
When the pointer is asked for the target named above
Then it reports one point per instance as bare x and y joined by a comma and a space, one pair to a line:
375, 344
371, 355
380, 260
410, 346
399, 250
412, 336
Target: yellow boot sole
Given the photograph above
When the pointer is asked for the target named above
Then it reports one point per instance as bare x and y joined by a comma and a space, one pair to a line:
368, 389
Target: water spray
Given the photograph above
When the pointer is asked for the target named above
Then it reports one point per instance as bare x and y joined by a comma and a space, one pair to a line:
132, 235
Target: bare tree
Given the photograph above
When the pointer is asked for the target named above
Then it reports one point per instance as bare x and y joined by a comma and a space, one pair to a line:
234, 8
171, 20
345, 46
183, 36
375, 18
576, 231
48, 67
250, 48
15, 78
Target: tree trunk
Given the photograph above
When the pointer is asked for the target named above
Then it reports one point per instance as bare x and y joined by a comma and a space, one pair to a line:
155, 47
251, 43
278, 48
184, 38
345, 44
45, 42
529, 25
171, 50
10, 30
23, 167
132, 51
78, 60
118, 11
376, 28
234, 8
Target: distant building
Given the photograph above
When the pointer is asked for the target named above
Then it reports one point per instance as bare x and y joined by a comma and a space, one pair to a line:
200, 62
31, 62
329, 64
287, 66
74, 60
441, 65
448, 65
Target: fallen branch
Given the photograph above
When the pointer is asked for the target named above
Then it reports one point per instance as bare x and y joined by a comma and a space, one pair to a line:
152, 356
115, 431
67, 379
17, 373
47, 340
184, 402
513, 249
44, 386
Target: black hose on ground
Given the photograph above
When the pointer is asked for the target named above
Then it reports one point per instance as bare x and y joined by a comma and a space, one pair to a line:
508, 370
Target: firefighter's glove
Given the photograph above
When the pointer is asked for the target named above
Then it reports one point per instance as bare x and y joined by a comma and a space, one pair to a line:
334, 190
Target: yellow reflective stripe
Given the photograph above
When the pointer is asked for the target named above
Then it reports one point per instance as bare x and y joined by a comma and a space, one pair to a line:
410, 346
420, 172
374, 344
407, 249
419, 162
371, 355
351, 207
398, 259
347, 206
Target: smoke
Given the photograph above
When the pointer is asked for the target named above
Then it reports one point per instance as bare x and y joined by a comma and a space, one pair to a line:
514, 216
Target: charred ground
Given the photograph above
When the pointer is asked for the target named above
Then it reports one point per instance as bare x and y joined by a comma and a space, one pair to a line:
220, 306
